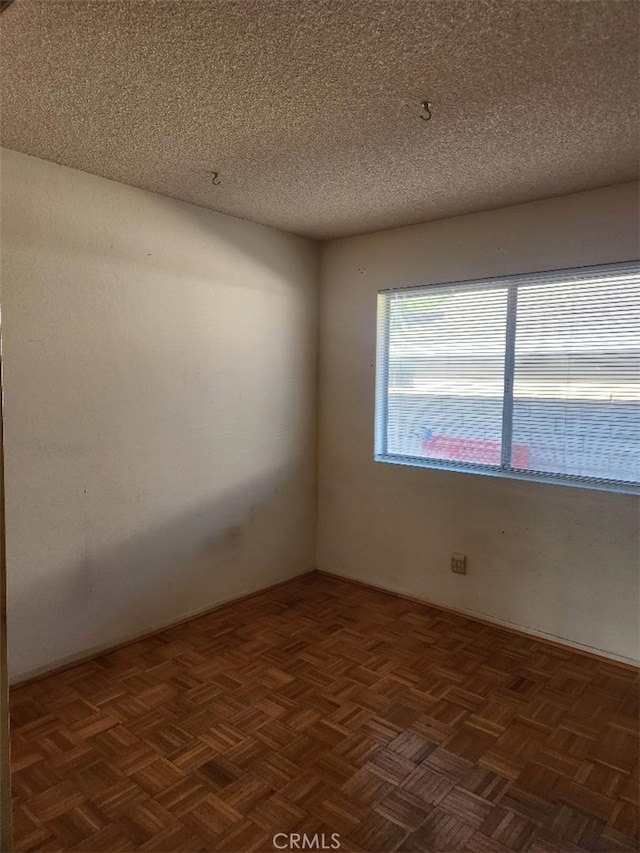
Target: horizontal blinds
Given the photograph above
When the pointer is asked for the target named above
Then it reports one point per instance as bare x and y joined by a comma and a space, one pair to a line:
445, 372
574, 372
576, 388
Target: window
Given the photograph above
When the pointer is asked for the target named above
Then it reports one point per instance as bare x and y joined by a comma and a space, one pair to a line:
532, 376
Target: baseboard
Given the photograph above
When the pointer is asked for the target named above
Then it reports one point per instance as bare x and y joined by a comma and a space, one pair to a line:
98, 651
513, 628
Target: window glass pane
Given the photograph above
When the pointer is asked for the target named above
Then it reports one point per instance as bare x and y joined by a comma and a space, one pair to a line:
446, 373
577, 377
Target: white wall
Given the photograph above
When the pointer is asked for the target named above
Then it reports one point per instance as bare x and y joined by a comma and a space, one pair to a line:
551, 559
160, 379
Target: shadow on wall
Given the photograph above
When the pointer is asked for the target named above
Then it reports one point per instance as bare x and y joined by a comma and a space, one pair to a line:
247, 538
203, 243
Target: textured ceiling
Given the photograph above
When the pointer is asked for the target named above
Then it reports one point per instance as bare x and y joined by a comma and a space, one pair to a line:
310, 111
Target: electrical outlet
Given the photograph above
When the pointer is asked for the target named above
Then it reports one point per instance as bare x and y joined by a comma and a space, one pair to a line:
459, 564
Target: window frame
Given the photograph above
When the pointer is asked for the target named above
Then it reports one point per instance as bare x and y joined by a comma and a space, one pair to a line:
511, 284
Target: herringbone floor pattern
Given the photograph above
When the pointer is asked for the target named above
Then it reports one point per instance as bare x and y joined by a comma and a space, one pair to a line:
324, 707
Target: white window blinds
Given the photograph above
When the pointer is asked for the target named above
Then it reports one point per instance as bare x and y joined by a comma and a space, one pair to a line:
534, 376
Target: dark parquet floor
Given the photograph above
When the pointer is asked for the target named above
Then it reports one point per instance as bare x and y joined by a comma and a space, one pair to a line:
324, 707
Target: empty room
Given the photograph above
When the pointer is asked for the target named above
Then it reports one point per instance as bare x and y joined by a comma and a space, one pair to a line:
320, 436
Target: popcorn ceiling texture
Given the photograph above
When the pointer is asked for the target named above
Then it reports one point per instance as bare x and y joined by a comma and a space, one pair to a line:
310, 111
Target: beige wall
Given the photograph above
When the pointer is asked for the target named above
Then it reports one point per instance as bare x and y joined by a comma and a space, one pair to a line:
554, 560
6, 843
160, 386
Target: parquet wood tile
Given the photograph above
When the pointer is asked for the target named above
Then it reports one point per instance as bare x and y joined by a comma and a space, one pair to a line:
325, 707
